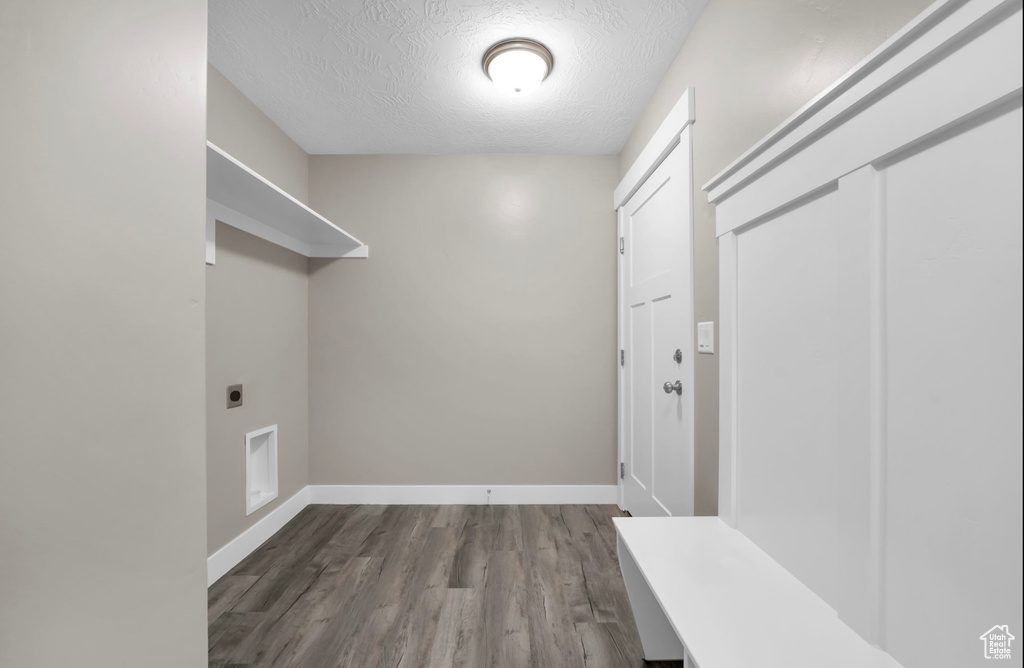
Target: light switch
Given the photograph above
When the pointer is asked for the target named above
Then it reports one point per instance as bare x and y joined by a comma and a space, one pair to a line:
706, 338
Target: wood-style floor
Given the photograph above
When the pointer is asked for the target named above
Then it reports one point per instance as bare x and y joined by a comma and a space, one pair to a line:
429, 587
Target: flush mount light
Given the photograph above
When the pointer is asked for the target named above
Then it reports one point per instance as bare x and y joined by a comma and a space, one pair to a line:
517, 66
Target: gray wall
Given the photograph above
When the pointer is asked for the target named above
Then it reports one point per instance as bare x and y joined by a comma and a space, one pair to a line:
102, 480
752, 64
238, 126
477, 343
257, 314
253, 280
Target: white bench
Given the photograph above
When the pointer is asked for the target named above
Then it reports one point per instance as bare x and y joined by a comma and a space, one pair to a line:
703, 593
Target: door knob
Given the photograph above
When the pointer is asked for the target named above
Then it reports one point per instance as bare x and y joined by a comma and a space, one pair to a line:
676, 387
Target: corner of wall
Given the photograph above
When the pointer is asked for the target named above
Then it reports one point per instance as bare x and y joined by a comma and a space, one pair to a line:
273, 364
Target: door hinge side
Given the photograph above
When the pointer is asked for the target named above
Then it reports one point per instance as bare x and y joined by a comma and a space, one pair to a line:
622, 245
622, 358
622, 470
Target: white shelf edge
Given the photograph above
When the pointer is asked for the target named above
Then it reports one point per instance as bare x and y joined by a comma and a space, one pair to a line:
228, 215
225, 214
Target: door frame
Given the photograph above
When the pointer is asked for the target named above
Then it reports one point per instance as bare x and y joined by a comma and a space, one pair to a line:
672, 132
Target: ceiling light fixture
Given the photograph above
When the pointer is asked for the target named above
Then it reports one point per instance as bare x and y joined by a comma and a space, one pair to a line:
517, 66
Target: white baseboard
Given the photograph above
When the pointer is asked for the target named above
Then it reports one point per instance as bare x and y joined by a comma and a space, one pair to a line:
229, 556
462, 494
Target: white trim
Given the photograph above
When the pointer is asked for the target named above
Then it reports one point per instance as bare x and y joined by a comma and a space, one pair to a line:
727, 367
661, 144
686, 141
462, 494
232, 554
620, 433
879, 401
909, 38
859, 266
895, 82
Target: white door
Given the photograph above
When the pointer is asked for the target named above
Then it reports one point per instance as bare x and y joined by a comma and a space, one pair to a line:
656, 319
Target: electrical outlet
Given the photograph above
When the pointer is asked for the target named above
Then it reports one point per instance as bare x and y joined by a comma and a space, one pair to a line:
234, 396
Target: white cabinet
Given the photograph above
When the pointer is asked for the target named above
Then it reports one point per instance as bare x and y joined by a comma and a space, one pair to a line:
867, 444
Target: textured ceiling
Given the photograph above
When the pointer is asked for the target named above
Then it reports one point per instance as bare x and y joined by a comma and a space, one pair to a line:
404, 76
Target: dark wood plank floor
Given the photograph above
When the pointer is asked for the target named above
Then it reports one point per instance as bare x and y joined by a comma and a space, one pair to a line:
429, 587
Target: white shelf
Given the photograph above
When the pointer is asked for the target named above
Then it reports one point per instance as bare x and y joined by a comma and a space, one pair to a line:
240, 197
728, 602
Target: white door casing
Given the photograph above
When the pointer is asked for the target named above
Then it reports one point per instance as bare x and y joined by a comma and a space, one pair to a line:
655, 321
